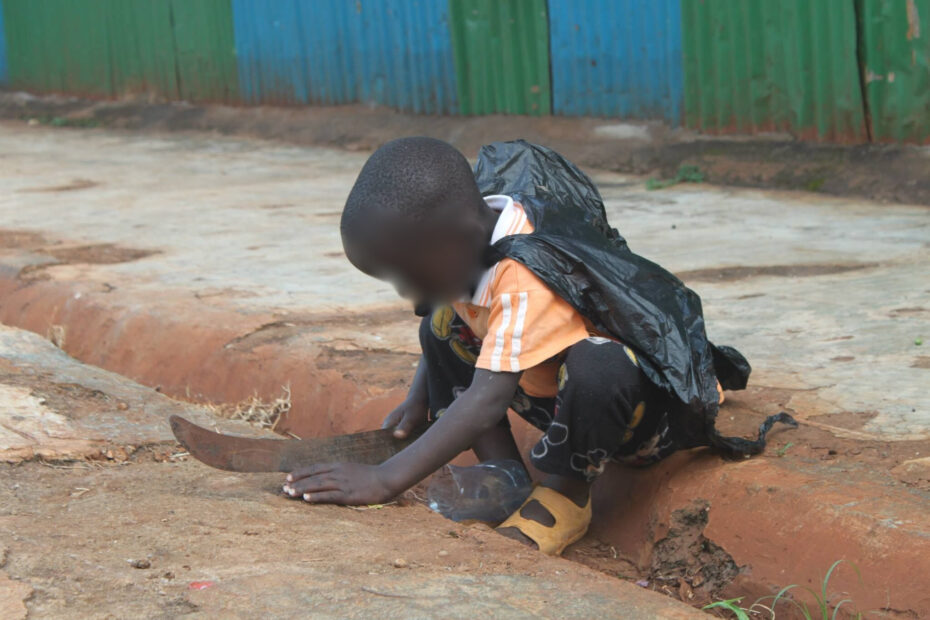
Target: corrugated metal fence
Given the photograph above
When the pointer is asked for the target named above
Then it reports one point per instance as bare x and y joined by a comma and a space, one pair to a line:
773, 66
619, 58
205, 50
142, 52
172, 48
896, 63
56, 46
391, 52
3, 69
837, 70
501, 56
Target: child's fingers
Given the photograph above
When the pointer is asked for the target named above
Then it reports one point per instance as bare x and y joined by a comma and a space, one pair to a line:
312, 470
402, 429
393, 418
313, 484
406, 425
325, 497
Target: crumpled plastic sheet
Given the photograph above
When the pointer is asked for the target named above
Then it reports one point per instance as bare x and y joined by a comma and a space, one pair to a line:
578, 254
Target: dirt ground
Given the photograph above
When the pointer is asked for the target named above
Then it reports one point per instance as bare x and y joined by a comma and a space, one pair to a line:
882, 172
109, 518
165, 539
140, 530
816, 441
132, 452
209, 269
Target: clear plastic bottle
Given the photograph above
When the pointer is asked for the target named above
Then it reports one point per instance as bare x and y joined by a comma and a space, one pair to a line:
488, 492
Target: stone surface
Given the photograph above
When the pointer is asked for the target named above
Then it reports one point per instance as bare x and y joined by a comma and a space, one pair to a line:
149, 533
211, 267
825, 296
54, 407
914, 472
883, 172
13, 595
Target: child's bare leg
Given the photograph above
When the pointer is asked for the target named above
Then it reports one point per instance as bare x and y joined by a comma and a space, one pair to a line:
497, 444
602, 414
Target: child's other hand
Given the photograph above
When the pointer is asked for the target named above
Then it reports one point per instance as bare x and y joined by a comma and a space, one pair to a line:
339, 483
407, 416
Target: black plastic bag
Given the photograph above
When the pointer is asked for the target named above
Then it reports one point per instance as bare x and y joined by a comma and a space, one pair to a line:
576, 252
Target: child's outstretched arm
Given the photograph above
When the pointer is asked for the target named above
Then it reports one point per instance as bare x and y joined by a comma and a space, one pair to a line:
476, 411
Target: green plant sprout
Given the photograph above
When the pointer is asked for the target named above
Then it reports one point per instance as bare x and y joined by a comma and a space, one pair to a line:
731, 605
685, 174
820, 612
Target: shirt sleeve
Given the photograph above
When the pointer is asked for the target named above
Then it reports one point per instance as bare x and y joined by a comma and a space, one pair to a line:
528, 323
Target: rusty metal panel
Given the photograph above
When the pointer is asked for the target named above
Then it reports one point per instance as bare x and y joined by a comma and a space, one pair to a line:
788, 66
141, 47
3, 70
501, 56
58, 46
389, 52
114, 47
896, 67
618, 58
205, 50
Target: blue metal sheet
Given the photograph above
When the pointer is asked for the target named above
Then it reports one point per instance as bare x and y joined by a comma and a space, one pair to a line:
390, 52
269, 52
617, 58
4, 72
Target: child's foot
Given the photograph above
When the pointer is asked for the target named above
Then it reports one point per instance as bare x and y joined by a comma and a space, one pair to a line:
561, 508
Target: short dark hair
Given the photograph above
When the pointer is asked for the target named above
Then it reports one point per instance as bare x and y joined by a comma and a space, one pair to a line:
410, 177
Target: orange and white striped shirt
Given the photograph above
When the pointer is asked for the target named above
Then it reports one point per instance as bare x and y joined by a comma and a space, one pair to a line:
524, 326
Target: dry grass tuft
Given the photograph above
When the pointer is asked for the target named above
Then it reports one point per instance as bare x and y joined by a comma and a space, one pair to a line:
254, 410
56, 334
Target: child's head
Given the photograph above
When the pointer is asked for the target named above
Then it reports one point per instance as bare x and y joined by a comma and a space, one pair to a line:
415, 218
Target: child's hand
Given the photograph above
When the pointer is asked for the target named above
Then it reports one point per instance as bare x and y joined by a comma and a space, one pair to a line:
339, 483
409, 415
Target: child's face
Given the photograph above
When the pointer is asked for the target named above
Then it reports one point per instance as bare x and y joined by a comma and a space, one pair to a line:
425, 263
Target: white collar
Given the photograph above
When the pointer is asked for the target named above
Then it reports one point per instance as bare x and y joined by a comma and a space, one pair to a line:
504, 206
510, 221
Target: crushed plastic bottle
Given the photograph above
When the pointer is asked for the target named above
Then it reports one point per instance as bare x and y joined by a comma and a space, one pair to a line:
489, 492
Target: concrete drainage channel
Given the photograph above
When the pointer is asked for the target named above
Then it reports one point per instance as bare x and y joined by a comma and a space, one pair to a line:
694, 527
101, 513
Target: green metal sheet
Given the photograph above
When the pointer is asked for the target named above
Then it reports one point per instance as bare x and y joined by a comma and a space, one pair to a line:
3, 74
896, 67
93, 47
58, 46
755, 66
142, 47
501, 50
205, 49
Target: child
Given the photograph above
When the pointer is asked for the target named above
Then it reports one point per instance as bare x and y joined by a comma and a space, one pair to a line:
533, 304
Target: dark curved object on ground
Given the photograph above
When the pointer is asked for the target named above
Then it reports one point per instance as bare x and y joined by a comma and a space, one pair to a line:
248, 454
